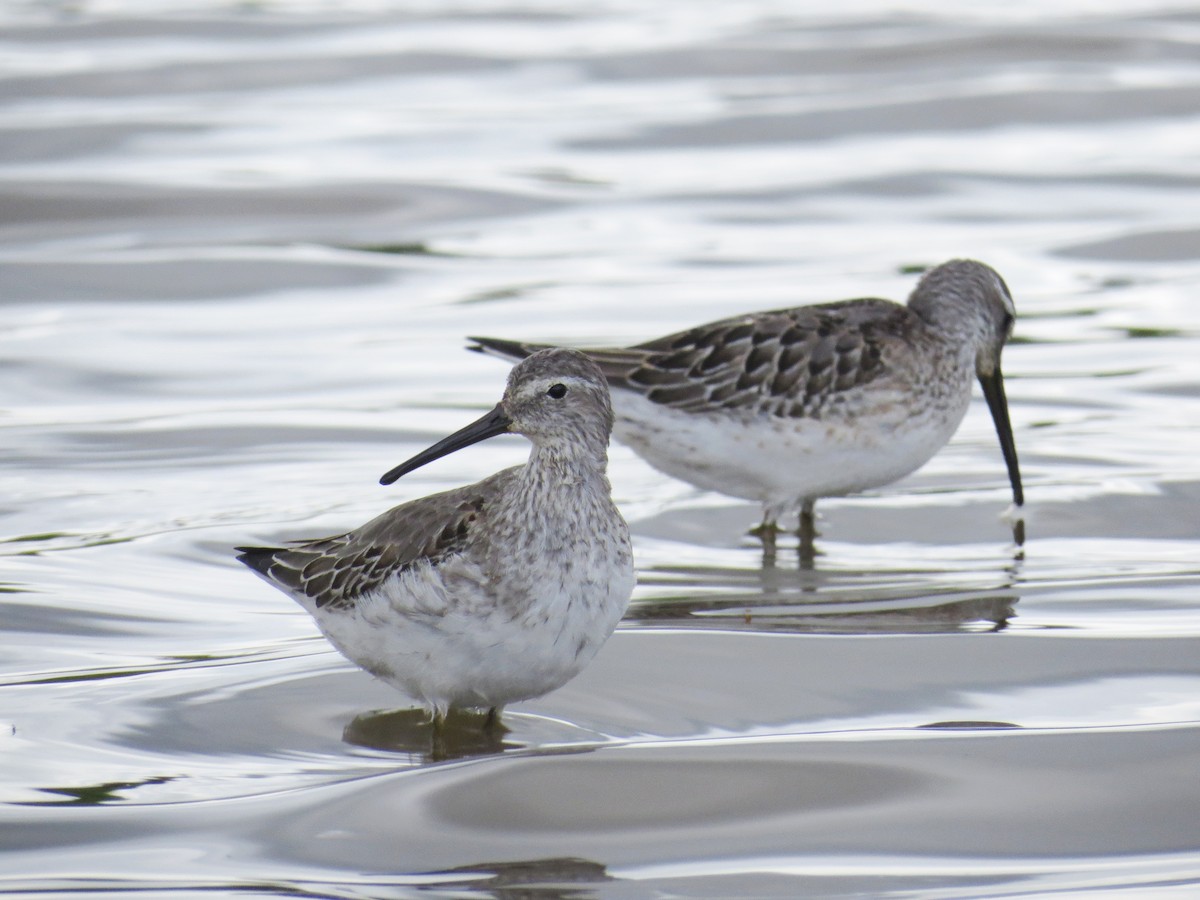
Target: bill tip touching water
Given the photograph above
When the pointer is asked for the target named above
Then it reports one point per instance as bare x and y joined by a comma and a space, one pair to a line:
791, 405
494, 592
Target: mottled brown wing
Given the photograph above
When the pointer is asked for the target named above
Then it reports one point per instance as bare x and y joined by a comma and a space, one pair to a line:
335, 571
787, 362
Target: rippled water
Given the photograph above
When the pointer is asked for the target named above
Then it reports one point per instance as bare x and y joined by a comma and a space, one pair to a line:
241, 244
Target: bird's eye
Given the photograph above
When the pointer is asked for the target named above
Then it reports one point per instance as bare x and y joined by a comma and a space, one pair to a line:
557, 391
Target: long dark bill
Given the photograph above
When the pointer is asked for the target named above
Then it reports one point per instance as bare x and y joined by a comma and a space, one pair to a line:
487, 426
993, 392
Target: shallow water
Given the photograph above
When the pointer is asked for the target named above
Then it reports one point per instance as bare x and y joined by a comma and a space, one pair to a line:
239, 248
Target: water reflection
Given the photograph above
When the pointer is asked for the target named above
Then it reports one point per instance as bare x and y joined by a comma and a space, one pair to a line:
242, 203
96, 794
527, 879
1018, 534
466, 733
808, 601
807, 534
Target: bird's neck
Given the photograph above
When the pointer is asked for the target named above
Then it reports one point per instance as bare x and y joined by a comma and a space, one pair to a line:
558, 466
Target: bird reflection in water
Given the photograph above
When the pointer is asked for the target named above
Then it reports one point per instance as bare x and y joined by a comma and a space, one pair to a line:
555, 877
464, 734
809, 601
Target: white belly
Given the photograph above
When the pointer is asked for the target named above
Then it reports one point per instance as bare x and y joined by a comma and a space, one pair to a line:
781, 462
438, 635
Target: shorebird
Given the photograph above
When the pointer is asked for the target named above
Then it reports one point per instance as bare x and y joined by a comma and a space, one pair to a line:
487, 594
791, 405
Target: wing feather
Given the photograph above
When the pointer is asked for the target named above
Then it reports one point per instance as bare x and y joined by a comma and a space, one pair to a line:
335, 571
787, 362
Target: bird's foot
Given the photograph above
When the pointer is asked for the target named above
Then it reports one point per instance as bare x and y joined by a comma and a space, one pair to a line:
767, 531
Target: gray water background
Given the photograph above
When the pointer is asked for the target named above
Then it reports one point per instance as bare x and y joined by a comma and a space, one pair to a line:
240, 245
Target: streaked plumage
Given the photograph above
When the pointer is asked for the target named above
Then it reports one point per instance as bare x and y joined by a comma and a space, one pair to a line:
790, 405
491, 593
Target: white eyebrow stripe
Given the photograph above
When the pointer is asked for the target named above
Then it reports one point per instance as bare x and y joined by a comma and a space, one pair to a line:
567, 380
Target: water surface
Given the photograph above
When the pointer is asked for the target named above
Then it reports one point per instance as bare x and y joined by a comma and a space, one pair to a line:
240, 246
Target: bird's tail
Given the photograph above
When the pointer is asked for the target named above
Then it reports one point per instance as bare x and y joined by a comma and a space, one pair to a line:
615, 362
260, 559
510, 350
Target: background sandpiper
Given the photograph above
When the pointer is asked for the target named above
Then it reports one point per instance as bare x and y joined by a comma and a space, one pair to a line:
790, 405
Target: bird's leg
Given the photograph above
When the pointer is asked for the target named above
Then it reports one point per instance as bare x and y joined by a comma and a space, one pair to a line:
437, 739
492, 720
807, 532
808, 519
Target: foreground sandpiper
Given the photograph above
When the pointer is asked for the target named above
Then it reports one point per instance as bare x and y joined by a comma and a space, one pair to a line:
790, 405
495, 592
